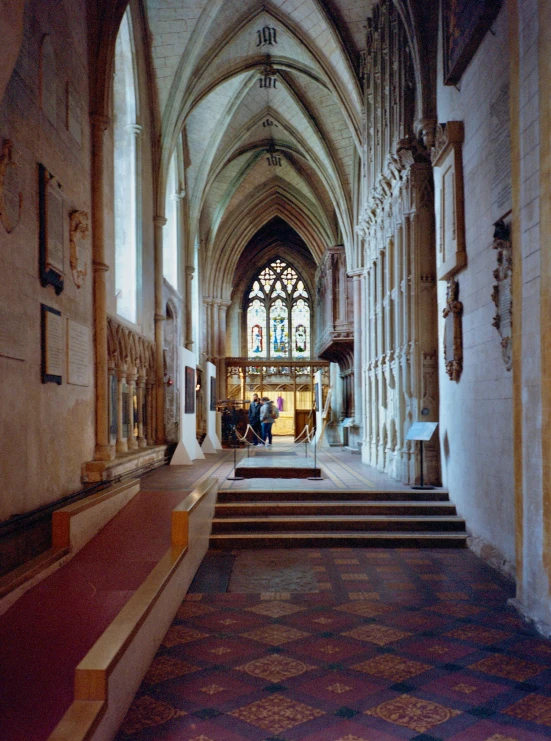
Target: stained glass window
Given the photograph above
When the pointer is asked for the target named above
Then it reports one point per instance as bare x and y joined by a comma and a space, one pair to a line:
278, 314
256, 329
279, 330
300, 318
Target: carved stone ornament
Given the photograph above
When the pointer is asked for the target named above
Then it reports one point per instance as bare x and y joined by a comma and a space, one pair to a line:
9, 213
502, 292
78, 230
453, 331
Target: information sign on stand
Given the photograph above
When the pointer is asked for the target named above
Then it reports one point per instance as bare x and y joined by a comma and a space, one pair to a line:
422, 432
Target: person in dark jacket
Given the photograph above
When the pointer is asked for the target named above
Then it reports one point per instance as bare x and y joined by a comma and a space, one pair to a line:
254, 419
268, 416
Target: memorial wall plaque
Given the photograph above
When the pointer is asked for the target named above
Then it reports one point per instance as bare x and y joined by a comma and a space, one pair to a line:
51, 229
447, 160
213, 393
52, 345
189, 407
13, 333
78, 354
500, 138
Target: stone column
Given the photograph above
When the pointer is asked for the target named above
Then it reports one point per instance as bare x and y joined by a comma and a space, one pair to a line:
358, 327
131, 381
103, 450
159, 222
188, 340
149, 412
207, 302
221, 351
142, 441
122, 445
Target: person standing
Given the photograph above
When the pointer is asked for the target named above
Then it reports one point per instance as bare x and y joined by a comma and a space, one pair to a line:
254, 420
268, 415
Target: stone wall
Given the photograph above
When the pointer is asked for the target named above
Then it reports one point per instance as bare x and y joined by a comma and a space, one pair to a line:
45, 428
476, 417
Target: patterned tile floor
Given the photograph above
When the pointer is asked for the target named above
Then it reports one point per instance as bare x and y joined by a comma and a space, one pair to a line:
393, 644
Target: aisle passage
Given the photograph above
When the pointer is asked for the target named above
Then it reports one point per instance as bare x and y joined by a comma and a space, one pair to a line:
346, 645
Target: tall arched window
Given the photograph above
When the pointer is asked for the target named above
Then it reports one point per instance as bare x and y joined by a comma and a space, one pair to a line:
278, 314
170, 229
126, 132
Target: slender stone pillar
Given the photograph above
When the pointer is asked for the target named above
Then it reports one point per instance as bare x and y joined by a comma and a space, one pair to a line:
131, 381
122, 445
188, 341
149, 413
358, 328
142, 441
104, 450
208, 328
221, 351
159, 222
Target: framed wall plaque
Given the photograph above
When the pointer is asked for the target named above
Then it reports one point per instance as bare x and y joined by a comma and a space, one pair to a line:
52, 230
464, 23
78, 354
447, 159
189, 390
52, 345
213, 393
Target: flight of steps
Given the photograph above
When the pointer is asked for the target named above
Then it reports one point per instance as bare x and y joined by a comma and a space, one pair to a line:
347, 518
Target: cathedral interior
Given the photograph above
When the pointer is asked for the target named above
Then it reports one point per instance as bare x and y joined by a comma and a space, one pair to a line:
338, 205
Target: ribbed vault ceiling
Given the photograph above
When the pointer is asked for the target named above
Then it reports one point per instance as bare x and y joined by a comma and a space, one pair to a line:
260, 155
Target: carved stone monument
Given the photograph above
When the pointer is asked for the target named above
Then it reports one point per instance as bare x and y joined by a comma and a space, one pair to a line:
78, 230
453, 331
502, 293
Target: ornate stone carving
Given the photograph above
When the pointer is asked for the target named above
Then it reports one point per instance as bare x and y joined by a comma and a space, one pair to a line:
453, 331
502, 292
78, 230
6, 161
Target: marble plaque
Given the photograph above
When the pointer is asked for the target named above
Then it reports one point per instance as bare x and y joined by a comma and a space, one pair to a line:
54, 227
78, 354
48, 96
52, 345
501, 154
13, 330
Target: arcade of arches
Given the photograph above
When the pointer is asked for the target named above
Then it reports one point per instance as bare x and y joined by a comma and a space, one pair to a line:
235, 185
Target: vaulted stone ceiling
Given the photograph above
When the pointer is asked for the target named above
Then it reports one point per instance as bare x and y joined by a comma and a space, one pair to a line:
209, 59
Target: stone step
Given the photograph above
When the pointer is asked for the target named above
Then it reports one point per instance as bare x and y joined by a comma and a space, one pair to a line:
248, 470
269, 509
324, 495
231, 541
337, 524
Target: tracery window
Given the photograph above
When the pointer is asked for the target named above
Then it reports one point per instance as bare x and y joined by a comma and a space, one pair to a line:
278, 314
126, 132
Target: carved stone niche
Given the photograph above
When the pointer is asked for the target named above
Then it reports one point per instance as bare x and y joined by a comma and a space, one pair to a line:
447, 160
502, 293
453, 331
